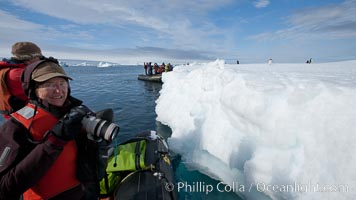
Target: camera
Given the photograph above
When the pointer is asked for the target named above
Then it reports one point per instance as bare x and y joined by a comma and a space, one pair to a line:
99, 127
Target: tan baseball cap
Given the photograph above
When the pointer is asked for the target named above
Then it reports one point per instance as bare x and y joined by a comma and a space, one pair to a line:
25, 50
48, 70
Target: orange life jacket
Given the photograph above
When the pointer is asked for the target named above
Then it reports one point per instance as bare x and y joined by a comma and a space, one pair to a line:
62, 174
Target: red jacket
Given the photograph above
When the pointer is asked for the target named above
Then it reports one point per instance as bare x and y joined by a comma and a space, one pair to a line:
12, 96
13, 79
23, 163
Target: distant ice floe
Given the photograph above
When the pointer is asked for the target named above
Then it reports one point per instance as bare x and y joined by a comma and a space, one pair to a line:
63, 64
107, 64
83, 64
86, 63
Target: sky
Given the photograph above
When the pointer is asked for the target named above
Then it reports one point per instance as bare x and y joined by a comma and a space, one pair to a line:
283, 131
181, 31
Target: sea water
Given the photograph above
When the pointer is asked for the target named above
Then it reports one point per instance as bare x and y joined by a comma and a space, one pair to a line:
133, 102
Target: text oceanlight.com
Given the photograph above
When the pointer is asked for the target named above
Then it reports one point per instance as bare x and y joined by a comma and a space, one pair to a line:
202, 187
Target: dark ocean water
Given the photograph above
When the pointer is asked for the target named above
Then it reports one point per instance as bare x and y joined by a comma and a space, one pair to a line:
133, 102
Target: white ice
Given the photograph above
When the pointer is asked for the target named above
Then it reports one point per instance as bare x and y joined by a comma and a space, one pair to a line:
291, 127
106, 64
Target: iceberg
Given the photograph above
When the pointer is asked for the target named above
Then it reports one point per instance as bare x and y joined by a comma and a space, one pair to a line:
83, 64
63, 64
106, 64
284, 131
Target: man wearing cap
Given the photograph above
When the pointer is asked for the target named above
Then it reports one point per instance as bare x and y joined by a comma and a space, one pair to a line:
12, 96
25, 51
44, 152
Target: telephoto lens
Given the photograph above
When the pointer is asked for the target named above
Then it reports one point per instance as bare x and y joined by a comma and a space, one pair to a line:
100, 127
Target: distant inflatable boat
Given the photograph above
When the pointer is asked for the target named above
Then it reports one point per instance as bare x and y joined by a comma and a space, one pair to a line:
153, 78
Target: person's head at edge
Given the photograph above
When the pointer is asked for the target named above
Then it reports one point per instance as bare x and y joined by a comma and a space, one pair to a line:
47, 82
26, 52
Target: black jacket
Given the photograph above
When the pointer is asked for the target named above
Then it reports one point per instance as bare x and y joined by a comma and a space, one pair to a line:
23, 163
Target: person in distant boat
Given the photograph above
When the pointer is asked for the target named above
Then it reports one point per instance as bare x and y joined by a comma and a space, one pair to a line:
168, 67
145, 65
156, 68
162, 68
44, 152
270, 61
150, 73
